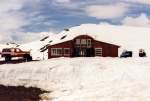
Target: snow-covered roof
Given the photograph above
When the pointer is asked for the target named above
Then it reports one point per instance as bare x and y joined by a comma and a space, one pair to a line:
124, 36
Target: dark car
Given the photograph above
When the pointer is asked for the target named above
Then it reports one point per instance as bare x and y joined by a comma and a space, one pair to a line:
126, 54
142, 53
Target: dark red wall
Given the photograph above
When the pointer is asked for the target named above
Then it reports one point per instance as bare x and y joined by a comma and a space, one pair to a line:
109, 50
67, 44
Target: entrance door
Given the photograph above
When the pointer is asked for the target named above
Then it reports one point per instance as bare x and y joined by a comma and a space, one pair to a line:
89, 52
83, 52
80, 52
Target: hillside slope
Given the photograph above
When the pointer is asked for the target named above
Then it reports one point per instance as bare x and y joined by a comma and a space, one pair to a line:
84, 79
38, 48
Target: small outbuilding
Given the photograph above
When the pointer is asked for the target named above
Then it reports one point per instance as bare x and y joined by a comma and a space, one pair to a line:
82, 46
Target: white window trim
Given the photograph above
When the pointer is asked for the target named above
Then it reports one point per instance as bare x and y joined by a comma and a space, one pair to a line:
56, 53
78, 41
89, 43
83, 41
65, 53
98, 51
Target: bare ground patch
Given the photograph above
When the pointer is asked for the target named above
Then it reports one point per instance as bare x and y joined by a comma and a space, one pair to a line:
20, 93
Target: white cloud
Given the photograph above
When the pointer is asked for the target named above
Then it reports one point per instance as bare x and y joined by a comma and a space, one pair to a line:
67, 4
10, 5
29, 37
12, 19
107, 11
22, 37
142, 21
62, 1
139, 1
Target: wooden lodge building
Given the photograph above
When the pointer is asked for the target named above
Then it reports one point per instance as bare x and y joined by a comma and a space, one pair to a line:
82, 46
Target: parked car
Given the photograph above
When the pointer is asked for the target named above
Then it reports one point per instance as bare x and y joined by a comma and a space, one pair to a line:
126, 54
142, 53
8, 53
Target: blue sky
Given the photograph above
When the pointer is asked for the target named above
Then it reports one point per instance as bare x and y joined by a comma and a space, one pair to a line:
25, 20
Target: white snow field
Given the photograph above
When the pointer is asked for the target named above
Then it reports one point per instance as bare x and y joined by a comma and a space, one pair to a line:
83, 79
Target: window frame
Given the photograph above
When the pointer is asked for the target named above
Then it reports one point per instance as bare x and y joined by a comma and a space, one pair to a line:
17, 50
78, 41
99, 51
89, 42
83, 41
69, 51
55, 52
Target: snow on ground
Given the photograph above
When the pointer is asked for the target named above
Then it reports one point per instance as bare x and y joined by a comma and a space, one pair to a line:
84, 79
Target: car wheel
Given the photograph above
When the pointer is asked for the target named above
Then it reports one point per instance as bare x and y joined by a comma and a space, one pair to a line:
7, 58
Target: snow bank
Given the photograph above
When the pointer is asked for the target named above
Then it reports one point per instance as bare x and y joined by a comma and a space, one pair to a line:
84, 79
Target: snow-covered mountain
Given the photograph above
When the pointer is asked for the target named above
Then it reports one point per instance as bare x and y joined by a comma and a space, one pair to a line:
129, 38
38, 48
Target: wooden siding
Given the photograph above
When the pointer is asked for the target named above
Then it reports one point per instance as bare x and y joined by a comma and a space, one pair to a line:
67, 44
109, 50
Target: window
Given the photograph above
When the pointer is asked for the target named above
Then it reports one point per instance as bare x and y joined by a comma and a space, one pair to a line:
12, 50
17, 50
77, 41
88, 42
66, 51
98, 51
83, 41
6, 50
56, 51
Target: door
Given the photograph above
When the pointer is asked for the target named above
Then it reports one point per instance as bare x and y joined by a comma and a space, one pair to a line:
80, 52
83, 52
89, 52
